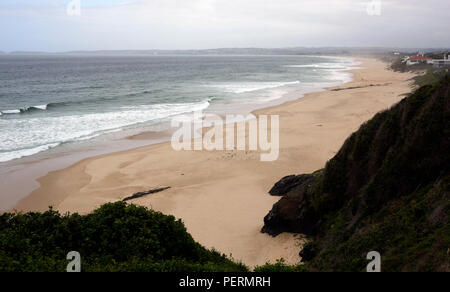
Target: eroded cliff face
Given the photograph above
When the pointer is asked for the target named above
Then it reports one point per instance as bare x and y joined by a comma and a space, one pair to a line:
387, 190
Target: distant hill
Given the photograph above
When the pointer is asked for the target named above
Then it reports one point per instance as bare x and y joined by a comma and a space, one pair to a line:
387, 190
241, 51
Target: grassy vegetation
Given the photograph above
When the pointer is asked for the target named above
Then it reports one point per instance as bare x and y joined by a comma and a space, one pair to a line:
399, 66
281, 267
387, 190
115, 238
429, 74
432, 76
412, 234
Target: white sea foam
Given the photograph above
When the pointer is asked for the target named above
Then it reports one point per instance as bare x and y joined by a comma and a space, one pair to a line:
321, 66
335, 72
244, 87
10, 112
41, 107
25, 137
23, 110
16, 154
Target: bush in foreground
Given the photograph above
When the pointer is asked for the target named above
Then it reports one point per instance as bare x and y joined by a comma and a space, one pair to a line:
116, 237
281, 267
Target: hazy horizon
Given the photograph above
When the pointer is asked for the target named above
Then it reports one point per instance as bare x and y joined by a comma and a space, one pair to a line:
93, 25
240, 50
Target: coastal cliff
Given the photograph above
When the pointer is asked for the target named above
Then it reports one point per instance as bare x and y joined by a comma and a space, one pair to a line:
387, 190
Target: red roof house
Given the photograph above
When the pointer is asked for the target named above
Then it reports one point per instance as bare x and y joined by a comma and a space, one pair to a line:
412, 60
419, 58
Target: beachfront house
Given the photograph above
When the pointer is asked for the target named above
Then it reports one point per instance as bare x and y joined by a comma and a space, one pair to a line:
440, 63
418, 59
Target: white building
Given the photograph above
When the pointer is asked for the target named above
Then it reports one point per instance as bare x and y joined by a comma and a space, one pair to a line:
442, 63
419, 59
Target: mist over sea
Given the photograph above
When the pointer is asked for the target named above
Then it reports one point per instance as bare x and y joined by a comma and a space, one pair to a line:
47, 101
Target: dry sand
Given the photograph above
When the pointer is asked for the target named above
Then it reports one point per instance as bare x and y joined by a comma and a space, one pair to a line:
222, 197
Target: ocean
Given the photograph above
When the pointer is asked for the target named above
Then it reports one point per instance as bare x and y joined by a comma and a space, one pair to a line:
50, 101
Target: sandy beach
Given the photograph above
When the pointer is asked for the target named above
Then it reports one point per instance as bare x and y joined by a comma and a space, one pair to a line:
221, 196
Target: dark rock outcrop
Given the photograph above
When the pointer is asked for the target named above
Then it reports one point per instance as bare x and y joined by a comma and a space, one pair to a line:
293, 212
143, 194
295, 184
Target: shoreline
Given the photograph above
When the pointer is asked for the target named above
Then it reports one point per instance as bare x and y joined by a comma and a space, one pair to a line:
65, 155
228, 189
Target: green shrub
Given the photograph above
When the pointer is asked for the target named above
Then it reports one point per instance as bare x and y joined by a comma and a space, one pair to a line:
281, 267
115, 237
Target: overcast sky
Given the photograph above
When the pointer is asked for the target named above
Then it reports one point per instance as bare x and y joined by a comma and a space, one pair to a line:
45, 25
